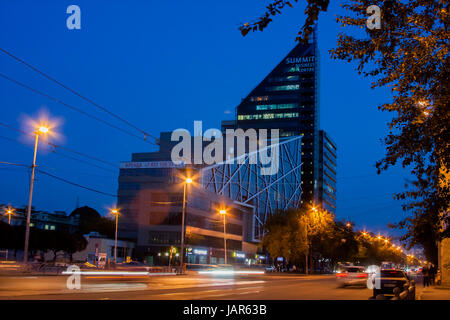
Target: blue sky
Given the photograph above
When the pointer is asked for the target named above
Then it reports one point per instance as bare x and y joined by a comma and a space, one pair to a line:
161, 65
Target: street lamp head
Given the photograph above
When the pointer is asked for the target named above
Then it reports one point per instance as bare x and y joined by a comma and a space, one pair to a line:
188, 180
43, 129
223, 211
115, 211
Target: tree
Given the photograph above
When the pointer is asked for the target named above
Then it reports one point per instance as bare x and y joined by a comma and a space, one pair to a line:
338, 244
312, 11
285, 237
374, 250
410, 55
53, 241
74, 243
90, 220
6, 236
297, 234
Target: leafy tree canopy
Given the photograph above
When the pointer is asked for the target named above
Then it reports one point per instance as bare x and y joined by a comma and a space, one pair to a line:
409, 54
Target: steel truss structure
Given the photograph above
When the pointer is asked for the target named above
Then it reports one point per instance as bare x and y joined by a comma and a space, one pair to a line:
241, 180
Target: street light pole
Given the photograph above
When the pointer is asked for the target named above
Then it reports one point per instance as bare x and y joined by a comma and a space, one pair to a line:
30, 197
115, 242
224, 213
183, 216
9, 212
116, 213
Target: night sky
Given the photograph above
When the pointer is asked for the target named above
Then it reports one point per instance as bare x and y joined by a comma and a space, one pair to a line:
161, 65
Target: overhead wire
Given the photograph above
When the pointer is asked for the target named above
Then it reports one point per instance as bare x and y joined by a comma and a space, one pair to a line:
55, 146
104, 109
72, 107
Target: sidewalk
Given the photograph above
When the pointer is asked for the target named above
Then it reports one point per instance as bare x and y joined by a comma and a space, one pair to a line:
434, 293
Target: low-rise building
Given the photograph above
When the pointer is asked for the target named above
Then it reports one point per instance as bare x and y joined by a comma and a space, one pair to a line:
99, 244
57, 220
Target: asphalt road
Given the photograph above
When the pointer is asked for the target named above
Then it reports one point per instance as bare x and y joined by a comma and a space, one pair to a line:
187, 287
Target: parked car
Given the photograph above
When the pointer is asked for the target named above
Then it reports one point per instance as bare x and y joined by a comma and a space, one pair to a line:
389, 279
351, 275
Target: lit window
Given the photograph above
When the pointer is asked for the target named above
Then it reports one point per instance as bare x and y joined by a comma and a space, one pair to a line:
288, 78
276, 106
298, 68
262, 98
52, 227
284, 88
267, 116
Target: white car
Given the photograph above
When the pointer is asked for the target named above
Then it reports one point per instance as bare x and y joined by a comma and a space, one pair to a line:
351, 275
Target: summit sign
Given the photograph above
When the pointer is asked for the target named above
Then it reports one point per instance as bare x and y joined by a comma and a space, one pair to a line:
301, 64
300, 60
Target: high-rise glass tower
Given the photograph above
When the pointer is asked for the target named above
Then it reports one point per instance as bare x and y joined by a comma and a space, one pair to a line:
327, 172
288, 99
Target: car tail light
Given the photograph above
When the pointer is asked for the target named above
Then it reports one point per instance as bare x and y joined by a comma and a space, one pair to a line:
342, 275
363, 275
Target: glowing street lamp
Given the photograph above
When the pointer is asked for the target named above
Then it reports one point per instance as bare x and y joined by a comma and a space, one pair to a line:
183, 217
223, 212
115, 212
9, 212
41, 130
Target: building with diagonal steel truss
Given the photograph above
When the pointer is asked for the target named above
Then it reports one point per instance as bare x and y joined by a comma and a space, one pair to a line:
240, 179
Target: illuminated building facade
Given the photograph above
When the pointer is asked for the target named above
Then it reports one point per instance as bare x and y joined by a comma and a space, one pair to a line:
327, 172
150, 198
288, 99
